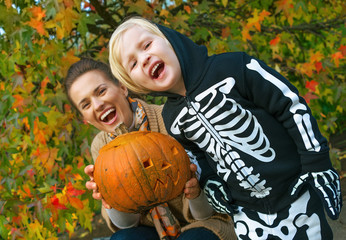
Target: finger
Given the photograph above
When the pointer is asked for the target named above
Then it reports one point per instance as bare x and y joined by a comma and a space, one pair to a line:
191, 183
97, 195
106, 205
193, 167
89, 170
91, 185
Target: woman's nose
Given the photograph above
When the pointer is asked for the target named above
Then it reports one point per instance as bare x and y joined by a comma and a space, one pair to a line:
98, 104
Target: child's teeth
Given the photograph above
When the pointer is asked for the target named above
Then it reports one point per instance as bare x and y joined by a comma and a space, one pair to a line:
154, 69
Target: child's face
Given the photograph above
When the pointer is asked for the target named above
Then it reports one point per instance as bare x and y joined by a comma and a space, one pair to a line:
150, 61
101, 102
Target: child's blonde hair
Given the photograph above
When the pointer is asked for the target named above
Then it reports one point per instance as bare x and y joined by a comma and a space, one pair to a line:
114, 50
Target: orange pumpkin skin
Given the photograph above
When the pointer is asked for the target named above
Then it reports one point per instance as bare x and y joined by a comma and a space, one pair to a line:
139, 170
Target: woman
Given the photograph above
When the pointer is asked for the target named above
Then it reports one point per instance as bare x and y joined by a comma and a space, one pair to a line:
104, 103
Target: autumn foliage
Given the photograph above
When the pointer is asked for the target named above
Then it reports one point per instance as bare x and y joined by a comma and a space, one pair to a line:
44, 147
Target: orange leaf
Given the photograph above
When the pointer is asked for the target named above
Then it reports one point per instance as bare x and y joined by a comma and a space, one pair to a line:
19, 101
38, 13
76, 203
245, 34
8, 3
275, 41
68, 3
306, 68
44, 83
225, 32
316, 57
336, 57
187, 9
38, 25
311, 85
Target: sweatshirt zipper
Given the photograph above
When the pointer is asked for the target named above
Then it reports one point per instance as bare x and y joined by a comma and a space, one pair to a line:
204, 121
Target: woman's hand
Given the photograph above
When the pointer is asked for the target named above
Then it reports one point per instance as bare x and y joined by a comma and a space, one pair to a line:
91, 185
192, 188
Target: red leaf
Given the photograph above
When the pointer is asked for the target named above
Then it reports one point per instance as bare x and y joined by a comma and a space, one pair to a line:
55, 201
318, 66
275, 41
71, 191
342, 48
309, 96
311, 85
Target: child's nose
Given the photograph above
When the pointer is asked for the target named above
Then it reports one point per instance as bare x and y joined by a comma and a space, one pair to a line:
146, 60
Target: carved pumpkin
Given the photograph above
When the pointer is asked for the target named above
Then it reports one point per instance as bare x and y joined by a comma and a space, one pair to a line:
139, 170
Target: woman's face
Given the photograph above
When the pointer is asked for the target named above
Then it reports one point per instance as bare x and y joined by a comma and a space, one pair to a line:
101, 102
150, 61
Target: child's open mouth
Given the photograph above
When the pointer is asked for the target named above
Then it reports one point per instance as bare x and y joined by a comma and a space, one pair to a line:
157, 70
109, 116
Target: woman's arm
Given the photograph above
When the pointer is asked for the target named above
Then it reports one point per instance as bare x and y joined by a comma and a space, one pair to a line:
199, 207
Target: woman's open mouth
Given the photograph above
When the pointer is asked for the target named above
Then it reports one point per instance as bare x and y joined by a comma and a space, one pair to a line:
109, 116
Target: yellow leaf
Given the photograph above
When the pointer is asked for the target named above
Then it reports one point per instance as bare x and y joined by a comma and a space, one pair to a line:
224, 2
316, 57
8, 3
164, 12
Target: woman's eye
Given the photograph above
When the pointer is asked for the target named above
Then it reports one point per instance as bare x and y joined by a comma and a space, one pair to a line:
103, 90
84, 106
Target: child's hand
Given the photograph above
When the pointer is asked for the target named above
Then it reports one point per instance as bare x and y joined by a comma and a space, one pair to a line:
192, 188
91, 185
327, 185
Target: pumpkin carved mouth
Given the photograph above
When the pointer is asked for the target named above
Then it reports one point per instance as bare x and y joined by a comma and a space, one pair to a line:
139, 170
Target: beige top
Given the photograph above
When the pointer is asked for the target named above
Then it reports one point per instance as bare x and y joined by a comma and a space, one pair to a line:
220, 224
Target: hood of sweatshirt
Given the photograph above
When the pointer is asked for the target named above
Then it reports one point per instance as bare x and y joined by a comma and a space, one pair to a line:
193, 58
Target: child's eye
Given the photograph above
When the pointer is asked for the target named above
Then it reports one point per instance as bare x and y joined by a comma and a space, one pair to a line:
133, 64
147, 45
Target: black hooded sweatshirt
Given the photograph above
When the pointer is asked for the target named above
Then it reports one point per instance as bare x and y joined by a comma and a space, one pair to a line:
244, 122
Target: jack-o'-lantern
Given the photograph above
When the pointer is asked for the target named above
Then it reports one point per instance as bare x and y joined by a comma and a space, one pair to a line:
139, 170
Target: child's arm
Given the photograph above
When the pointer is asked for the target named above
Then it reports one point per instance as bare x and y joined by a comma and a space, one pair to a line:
272, 92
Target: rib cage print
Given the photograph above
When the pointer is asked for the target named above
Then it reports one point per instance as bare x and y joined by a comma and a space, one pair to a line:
221, 139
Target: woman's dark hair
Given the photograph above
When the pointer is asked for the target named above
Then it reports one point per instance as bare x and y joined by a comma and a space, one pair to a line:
83, 66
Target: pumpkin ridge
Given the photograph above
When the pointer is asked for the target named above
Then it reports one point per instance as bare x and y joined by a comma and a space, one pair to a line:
125, 189
147, 178
115, 202
153, 137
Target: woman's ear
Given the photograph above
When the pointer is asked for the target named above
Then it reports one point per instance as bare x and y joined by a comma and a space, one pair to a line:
124, 89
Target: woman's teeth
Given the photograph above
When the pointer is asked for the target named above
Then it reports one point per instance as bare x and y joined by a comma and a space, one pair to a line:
106, 113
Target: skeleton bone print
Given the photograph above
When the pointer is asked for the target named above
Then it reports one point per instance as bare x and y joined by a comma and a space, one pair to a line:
290, 224
240, 132
218, 140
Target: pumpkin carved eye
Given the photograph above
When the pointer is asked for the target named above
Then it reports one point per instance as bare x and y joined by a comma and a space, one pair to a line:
147, 163
139, 170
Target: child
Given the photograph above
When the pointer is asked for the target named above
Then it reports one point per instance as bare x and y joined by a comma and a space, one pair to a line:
263, 159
